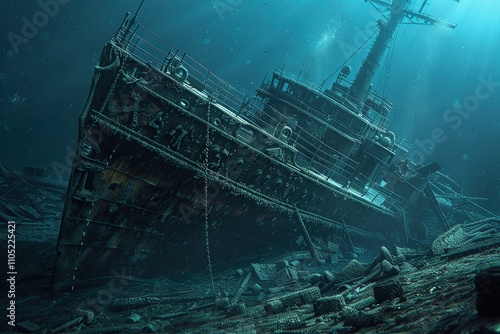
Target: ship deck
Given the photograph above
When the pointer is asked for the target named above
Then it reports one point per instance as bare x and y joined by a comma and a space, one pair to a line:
371, 194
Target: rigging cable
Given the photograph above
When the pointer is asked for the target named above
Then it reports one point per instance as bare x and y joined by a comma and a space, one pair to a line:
369, 38
379, 11
389, 65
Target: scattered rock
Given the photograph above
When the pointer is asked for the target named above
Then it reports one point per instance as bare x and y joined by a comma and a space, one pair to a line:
421, 264
359, 319
376, 270
327, 305
274, 306
353, 270
306, 296
169, 316
152, 327
411, 316
112, 329
264, 272
276, 290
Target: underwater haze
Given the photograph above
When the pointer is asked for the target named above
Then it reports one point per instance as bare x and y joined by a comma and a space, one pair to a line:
437, 78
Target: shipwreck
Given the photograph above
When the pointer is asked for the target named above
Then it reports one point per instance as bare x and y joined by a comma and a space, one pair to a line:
177, 171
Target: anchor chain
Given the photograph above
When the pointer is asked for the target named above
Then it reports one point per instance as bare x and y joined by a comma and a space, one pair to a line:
207, 146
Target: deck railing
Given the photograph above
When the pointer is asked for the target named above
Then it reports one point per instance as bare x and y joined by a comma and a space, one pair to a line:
152, 49
402, 143
322, 114
318, 85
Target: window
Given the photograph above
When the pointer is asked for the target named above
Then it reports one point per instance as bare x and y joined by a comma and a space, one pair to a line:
285, 87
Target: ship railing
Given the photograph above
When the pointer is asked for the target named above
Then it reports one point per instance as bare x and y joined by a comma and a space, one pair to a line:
151, 49
313, 153
373, 191
448, 191
318, 85
402, 143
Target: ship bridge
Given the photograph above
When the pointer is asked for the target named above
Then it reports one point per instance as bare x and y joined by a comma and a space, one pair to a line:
332, 105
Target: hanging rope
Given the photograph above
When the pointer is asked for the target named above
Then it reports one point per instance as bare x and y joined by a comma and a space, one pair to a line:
207, 146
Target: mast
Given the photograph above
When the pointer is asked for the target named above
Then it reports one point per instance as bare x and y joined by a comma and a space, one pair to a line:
360, 88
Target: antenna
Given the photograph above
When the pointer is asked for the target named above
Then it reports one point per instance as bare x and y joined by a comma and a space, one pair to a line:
128, 30
138, 10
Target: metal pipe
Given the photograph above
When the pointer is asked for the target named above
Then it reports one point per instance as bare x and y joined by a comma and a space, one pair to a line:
124, 22
423, 6
128, 32
463, 197
138, 10
307, 238
480, 207
351, 245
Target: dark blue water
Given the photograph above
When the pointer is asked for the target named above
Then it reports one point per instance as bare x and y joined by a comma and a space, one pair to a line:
44, 79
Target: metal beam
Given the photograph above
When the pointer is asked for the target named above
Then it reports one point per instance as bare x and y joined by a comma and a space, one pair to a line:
418, 15
435, 207
307, 238
428, 19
